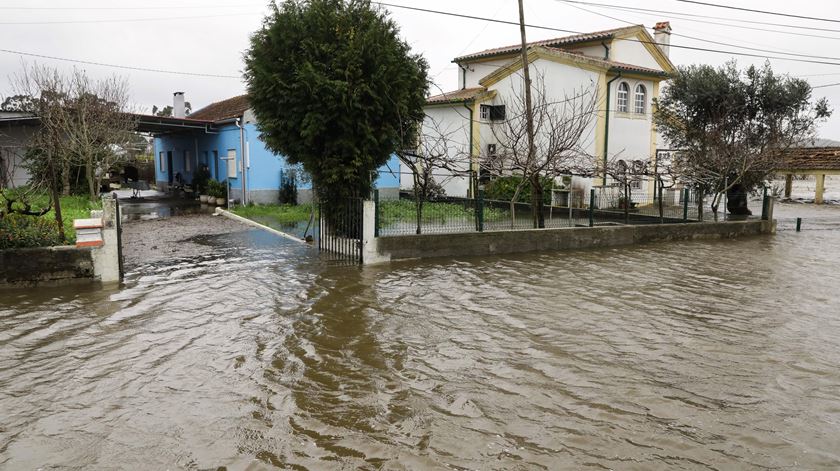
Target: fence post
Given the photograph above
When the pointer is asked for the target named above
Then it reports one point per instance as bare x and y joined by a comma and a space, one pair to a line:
592, 207
376, 213
479, 210
685, 204
764, 214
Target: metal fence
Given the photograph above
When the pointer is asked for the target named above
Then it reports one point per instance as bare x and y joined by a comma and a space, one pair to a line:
601, 207
340, 231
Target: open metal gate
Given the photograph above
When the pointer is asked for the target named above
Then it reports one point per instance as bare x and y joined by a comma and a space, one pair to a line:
340, 231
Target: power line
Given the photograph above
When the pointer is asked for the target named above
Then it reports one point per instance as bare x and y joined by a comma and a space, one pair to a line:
116, 66
795, 54
691, 17
166, 7
764, 12
692, 48
827, 85
695, 15
123, 20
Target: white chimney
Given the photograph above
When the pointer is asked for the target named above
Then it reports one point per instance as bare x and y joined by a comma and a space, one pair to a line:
662, 36
178, 110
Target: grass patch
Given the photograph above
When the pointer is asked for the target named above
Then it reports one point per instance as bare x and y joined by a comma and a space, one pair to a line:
279, 213
72, 207
287, 218
405, 211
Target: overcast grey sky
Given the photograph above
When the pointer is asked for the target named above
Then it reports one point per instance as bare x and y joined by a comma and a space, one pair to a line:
209, 36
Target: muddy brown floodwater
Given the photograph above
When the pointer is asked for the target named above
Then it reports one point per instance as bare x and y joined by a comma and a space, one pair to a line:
252, 354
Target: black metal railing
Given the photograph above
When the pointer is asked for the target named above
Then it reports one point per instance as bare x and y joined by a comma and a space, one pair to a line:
340, 230
600, 206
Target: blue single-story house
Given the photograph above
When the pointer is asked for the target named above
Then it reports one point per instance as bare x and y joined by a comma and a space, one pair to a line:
224, 136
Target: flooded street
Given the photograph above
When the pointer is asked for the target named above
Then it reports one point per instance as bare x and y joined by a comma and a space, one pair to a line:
252, 354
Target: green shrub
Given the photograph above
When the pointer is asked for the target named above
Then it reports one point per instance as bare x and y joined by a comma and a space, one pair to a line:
19, 231
503, 189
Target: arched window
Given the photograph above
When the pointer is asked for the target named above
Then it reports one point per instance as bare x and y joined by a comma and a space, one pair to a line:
623, 92
640, 100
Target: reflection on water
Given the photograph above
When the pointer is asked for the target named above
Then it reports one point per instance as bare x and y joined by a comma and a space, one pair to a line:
160, 208
717, 355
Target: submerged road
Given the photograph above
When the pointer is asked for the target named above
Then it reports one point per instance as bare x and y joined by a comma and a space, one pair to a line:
248, 353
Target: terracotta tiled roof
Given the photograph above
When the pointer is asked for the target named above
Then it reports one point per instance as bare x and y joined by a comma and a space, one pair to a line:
225, 109
456, 96
811, 158
556, 42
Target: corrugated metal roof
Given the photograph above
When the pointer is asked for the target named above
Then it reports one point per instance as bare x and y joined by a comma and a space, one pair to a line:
556, 42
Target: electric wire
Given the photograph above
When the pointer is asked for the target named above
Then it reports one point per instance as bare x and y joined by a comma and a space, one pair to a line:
764, 12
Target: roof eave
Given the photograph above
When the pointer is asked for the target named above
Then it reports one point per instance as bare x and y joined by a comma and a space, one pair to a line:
469, 58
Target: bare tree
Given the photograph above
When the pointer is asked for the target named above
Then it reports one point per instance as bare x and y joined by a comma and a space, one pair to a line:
434, 160
559, 129
99, 127
49, 94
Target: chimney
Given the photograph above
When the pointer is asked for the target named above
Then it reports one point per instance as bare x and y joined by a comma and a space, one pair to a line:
662, 36
178, 105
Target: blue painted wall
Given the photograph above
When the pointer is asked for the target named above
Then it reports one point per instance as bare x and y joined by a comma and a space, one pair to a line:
265, 167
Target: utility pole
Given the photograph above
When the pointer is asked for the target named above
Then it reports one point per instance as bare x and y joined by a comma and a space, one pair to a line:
536, 209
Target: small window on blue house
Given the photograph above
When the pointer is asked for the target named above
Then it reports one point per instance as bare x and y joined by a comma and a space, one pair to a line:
162, 159
231, 163
187, 161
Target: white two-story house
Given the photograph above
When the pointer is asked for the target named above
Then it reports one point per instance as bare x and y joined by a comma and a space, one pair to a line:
623, 67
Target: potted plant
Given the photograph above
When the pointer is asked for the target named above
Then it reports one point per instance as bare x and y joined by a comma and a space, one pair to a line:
201, 179
217, 192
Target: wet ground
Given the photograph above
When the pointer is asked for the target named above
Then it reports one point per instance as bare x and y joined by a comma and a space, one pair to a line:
251, 353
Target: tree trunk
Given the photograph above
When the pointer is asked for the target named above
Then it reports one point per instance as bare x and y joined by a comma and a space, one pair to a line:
419, 207
537, 202
91, 180
737, 201
54, 193
65, 178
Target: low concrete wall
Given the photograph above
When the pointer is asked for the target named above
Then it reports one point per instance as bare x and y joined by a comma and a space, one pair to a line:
535, 240
46, 265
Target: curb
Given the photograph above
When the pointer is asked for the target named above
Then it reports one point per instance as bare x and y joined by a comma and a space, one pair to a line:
236, 217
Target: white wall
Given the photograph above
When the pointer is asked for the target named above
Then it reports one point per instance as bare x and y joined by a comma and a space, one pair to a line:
629, 137
479, 70
13, 142
632, 52
562, 82
452, 121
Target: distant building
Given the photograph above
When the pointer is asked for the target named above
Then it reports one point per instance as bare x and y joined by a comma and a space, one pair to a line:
15, 133
623, 64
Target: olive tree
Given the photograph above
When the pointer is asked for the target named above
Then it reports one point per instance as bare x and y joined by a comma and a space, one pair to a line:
335, 89
733, 127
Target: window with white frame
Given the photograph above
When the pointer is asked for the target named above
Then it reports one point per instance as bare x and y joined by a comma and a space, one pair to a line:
623, 96
162, 159
640, 101
187, 161
231, 163
484, 112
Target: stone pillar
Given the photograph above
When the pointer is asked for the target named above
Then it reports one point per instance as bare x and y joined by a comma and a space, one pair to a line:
370, 248
106, 258
818, 196
788, 184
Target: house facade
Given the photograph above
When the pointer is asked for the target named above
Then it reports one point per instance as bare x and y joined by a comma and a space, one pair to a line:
622, 67
16, 130
224, 137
